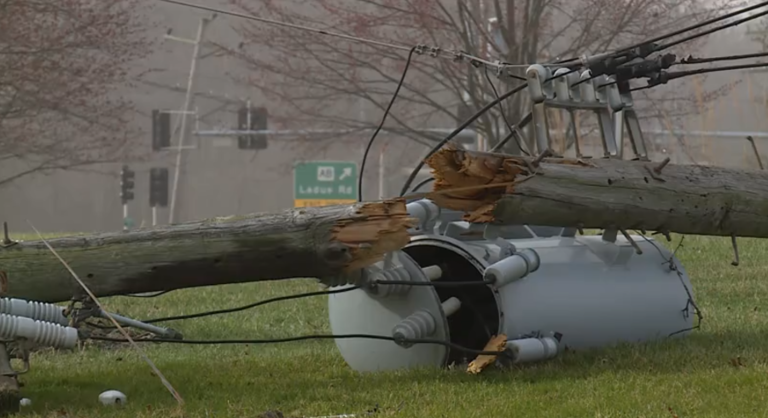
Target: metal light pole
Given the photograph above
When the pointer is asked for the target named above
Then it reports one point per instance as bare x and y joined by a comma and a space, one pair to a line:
190, 84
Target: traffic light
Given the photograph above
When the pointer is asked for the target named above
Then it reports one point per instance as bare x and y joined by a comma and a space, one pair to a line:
158, 187
258, 122
161, 130
127, 177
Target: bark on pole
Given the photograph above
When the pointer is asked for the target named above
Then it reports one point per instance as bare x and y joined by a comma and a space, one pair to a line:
311, 242
602, 193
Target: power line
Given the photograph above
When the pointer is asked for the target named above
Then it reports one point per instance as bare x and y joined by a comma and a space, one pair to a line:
710, 31
420, 49
250, 305
381, 125
455, 132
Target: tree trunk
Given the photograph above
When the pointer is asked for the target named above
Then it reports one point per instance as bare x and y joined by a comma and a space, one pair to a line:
311, 242
602, 193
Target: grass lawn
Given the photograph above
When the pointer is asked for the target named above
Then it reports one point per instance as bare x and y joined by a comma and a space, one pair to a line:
695, 376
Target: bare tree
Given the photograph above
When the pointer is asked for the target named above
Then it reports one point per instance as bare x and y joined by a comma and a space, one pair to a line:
61, 65
321, 81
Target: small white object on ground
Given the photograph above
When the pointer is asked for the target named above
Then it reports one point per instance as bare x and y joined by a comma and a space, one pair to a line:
25, 402
112, 397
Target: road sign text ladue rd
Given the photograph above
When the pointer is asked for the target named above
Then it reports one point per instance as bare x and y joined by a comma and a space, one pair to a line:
319, 190
317, 183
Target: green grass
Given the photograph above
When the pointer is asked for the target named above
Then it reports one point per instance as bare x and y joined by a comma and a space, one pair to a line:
693, 376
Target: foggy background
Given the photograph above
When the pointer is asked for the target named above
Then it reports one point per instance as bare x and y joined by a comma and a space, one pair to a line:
219, 179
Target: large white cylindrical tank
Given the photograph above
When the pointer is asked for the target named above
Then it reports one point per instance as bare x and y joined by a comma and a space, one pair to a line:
596, 293
593, 292
588, 291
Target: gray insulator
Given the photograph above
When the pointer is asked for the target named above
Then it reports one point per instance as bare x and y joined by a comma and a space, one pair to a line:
353, 278
418, 325
394, 273
47, 312
512, 268
533, 349
42, 333
425, 211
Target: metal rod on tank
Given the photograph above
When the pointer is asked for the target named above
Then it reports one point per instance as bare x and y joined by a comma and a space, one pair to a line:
451, 306
433, 272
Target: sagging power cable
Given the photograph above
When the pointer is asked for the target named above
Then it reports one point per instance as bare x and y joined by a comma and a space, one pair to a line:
311, 294
455, 132
381, 125
432, 51
250, 305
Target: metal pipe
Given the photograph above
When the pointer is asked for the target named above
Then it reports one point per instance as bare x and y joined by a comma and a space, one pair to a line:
161, 331
188, 97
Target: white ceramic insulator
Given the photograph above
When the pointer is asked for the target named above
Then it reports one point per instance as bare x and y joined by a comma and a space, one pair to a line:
424, 210
42, 333
513, 268
418, 325
47, 312
112, 397
433, 272
451, 306
392, 274
533, 349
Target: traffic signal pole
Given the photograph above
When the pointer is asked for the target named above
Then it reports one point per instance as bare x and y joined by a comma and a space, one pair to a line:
125, 216
182, 134
127, 183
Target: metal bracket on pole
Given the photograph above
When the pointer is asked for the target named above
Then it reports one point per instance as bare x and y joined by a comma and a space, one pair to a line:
540, 91
605, 116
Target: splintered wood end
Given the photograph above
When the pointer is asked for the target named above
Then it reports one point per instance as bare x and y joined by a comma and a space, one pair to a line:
472, 182
376, 229
496, 343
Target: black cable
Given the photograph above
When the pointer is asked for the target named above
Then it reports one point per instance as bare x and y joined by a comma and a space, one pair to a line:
422, 184
679, 31
503, 114
381, 125
249, 306
455, 132
692, 60
309, 294
447, 344
710, 31
153, 295
526, 120
668, 76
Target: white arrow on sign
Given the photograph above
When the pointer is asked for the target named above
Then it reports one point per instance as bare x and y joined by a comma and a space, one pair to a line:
347, 172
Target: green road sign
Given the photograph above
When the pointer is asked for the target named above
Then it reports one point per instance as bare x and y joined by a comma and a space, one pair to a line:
324, 183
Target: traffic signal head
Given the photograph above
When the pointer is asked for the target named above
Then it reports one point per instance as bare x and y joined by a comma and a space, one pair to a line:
258, 121
161, 130
127, 182
158, 187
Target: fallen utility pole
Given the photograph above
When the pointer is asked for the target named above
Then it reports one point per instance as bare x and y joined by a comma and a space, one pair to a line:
602, 193
308, 242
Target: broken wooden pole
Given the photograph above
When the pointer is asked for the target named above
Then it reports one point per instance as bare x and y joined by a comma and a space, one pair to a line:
598, 193
308, 242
